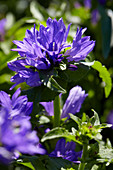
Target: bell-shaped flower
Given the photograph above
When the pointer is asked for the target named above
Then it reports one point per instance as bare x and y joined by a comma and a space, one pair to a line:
72, 104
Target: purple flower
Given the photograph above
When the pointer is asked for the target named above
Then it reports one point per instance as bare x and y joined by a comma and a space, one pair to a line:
87, 4
95, 16
110, 118
81, 47
15, 128
66, 151
2, 29
18, 105
44, 50
72, 105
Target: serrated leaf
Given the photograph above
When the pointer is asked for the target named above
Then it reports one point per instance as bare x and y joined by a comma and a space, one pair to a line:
105, 153
96, 118
76, 119
57, 133
104, 74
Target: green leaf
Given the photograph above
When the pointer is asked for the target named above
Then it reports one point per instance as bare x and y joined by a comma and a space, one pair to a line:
18, 24
56, 163
74, 76
38, 11
32, 162
27, 164
53, 85
38, 94
104, 74
5, 58
105, 153
57, 133
76, 119
106, 31
96, 118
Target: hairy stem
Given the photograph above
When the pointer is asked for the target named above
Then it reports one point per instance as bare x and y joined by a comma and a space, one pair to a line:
82, 164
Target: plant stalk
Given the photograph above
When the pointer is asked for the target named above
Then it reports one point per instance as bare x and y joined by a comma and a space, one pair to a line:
56, 112
82, 164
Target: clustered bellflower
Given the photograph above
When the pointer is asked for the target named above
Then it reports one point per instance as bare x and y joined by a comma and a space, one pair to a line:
72, 104
45, 49
15, 128
66, 151
2, 29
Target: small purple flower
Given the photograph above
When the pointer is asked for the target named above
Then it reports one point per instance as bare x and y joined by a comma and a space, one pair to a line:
2, 29
72, 105
66, 151
44, 50
16, 133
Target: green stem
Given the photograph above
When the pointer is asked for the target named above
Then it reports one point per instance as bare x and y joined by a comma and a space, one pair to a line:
56, 112
82, 164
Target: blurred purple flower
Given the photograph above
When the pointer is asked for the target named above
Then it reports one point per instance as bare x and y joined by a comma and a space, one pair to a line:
110, 118
2, 29
66, 151
81, 47
72, 104
87, 4
77, 5
95, 16
15, 128
43, 50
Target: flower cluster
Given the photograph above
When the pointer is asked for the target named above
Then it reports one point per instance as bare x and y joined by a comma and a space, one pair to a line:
15, 127
66, 151
2, 29
45, 50
72, 104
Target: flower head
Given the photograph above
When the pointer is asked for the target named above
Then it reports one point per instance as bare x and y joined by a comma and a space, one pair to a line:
44, 50
2, 29
66, 151
72, 104
15, 127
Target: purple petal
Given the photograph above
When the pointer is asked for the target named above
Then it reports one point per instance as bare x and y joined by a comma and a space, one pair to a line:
74, 101
48, 107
